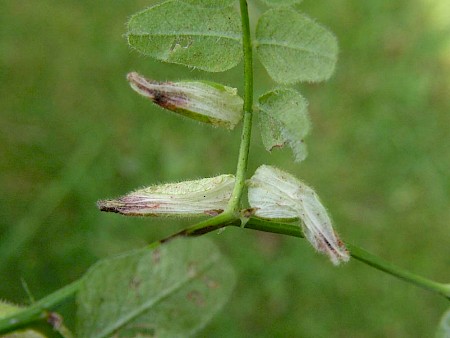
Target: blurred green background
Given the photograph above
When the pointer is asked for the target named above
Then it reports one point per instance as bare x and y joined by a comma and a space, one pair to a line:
73, 132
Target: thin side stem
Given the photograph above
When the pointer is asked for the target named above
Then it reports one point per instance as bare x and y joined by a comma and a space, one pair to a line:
38, 310
380, 264
292, 229
201, 228
235, 200
356, 252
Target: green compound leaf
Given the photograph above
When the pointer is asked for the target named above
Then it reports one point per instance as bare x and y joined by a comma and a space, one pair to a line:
171, 291
210, 3
281, 2
177, 32
443, 330
284, 120
294, 48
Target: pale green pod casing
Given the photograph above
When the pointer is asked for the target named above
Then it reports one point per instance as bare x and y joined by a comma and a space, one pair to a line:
207, 196
203, 101
276, 194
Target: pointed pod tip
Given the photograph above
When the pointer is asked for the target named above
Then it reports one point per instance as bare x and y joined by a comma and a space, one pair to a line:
131, 75
134, 77
332, 246
108, 206
138, 83
342, 256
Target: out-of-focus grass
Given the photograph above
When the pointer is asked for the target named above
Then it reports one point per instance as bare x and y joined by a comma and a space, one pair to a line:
379, 158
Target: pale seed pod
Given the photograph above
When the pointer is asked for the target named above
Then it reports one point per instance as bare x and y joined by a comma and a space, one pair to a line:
203, 101
278, 195
207, 196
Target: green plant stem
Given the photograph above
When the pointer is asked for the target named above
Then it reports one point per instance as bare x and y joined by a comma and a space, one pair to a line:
292, 229
211, 224
380, 264
235, 200
357, 253
38, 310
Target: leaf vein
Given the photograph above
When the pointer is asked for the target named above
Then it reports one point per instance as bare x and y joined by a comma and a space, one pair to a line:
152, 302
297, 48
231, 37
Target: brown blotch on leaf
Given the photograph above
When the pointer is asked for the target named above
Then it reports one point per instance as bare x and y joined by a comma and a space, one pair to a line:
211, 283
135, 282
196, 297
156, 256
277, 146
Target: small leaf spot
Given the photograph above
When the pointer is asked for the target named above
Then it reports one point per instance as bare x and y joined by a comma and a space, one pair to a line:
211, 283
192, 269
197, 298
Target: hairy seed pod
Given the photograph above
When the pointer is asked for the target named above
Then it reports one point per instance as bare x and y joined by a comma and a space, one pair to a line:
276, 194
207, 196
203, 101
